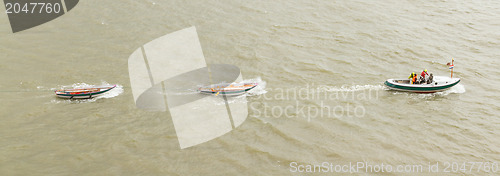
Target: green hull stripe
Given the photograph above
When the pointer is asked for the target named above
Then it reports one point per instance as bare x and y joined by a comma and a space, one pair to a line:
437, 88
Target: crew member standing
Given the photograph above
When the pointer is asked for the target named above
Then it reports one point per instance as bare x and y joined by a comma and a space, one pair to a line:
424, 73
412, 78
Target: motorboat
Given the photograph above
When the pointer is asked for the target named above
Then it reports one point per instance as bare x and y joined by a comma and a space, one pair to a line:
438, 84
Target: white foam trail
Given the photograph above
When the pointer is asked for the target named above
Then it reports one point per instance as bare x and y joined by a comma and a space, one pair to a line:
259, 89
353, 88
458, 89
110, 94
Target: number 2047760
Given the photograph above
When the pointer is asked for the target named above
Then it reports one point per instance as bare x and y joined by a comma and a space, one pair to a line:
470, 167
33, 8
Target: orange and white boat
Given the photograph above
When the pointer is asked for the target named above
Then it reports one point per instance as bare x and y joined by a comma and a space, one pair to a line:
227, 88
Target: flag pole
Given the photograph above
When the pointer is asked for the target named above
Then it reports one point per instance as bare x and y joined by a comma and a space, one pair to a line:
452, 60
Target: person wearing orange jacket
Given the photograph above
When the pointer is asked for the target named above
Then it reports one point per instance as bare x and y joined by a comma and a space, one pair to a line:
413, 78
424, 73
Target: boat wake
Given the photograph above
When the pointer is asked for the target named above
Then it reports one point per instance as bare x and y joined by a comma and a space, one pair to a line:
352, 88
259, 89
457, 89
110, 94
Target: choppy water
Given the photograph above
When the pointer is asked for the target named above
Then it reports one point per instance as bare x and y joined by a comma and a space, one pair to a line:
326, 60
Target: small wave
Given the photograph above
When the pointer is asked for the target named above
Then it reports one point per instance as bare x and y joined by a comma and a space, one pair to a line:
191, 91
230, 100
353, 88
75, 101
112, 93
152, 2
457, 89
259, 89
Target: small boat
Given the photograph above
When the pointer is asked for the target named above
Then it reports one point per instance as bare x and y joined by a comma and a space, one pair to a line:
227, 88
439, 83
87, 92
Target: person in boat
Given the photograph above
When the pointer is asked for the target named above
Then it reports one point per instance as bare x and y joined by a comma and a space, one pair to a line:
415, 79
412, 77
424, 73
421, 80
431, 77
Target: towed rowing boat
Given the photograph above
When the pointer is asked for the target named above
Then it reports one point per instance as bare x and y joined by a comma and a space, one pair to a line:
439, 83
227, 88
87, 92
